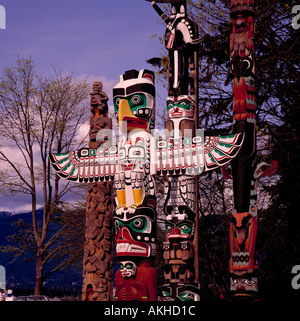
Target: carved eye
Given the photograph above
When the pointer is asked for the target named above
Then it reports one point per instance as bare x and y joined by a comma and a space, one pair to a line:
84, 152
136, 99
246, 64
233, 220
186, 296
117, 224
116, 104
248, 282
185, 228
138, 223
168, 227
136, 152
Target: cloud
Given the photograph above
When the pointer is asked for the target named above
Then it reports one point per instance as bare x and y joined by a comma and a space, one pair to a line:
18, 203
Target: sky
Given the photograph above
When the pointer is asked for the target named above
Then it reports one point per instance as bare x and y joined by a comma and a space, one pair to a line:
93, 39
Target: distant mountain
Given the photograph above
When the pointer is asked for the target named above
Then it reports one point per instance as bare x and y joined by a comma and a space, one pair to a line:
20, 275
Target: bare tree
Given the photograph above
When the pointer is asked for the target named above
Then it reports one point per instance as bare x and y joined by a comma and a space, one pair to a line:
38, 116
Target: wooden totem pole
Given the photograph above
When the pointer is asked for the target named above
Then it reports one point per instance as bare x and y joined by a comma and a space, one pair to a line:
97, 260
245, 170
180, 156
181, 191
181, 186
135, 212
131, 165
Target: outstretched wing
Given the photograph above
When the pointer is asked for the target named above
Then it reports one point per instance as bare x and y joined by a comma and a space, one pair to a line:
86, 165
219, 150
195, 155
182, 156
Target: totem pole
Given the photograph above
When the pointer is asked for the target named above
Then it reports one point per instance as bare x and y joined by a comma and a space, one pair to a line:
245, 170
181, 155
97, 260
131, 165
135, 212
181, 191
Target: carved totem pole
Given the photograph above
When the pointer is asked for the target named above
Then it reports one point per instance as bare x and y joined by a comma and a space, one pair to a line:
181, 191
131, 165
97, 261
245, 170
135, 213
182, 154
181, 188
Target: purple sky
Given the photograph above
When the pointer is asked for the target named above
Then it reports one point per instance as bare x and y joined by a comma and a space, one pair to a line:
94, 39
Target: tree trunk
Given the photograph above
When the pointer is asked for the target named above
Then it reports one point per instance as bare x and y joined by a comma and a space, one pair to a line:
39, 275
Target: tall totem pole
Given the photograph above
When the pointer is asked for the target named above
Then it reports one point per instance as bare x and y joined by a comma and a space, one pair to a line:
131, 165
181, 191
97, 261
180, 156
245, 170
135, 212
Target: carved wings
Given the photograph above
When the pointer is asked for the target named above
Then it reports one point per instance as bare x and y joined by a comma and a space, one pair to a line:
188, 156
86, 165
197, 154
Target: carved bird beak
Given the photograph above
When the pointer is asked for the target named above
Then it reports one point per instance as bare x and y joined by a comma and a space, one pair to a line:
127, 121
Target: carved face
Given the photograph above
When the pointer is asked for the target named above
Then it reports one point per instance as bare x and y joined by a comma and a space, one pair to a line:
242, 24
182, 229
242, 66
102, 285
180, 107
107, 246
135, 232
134, 100
132, 154
183, 293
188, 293
97, 86
128, 269
243, 231
243, 285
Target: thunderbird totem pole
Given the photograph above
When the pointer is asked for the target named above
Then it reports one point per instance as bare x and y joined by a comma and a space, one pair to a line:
132, 164
180, 156
244, 168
